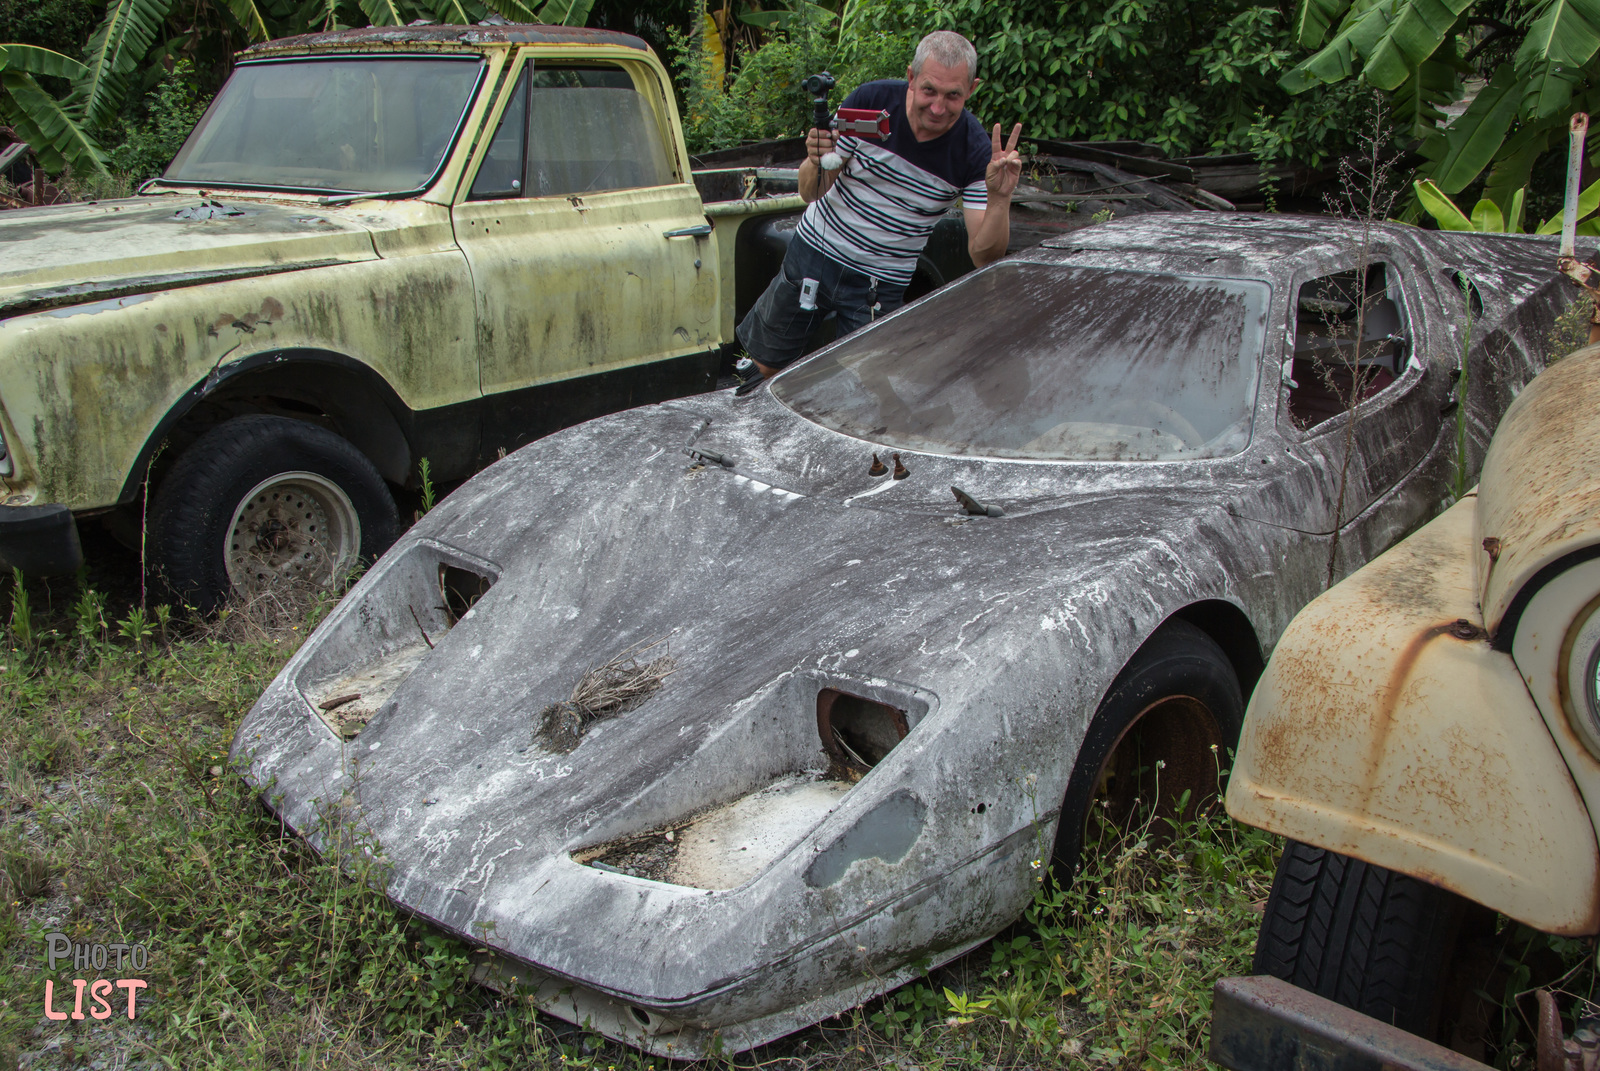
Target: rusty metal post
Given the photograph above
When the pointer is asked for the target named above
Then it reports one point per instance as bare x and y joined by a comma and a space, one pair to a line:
1577, 130
1567, 260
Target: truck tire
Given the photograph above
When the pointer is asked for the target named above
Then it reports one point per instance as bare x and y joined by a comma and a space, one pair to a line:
260, 501
1177, 703
1374, 940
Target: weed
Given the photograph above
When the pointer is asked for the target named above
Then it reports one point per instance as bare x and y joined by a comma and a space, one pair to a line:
21, 624
136, 628
88, 617
1105, 215
427, 485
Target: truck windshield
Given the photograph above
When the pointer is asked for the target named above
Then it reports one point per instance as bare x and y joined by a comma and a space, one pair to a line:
1051, 362
342, 124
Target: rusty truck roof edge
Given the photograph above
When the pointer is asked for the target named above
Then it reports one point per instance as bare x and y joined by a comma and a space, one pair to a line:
447, 34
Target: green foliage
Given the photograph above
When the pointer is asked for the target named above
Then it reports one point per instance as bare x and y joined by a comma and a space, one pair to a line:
1190, 78
1487, 217
21, 623
171, 111
426, 478
763, 99
1413, 50
135, 47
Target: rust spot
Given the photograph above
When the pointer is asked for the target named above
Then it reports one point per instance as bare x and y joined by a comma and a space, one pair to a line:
1491, 547
900, 471
1462, 629
271, 309
1384, 721
878, 467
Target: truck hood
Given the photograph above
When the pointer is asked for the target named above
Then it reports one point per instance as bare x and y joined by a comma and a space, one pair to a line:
69, 254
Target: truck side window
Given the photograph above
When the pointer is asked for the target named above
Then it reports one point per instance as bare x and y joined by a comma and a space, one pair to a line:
500, 175
589, 130
1349, 342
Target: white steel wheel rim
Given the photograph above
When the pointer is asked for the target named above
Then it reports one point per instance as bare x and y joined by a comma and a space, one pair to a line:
294, 526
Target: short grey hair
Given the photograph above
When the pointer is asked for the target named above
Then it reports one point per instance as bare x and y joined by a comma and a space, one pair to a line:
950, 49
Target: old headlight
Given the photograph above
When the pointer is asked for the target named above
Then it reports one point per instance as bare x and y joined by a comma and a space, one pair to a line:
5, 455
1579, 669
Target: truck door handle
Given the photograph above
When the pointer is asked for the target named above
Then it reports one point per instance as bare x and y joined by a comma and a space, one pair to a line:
699, 231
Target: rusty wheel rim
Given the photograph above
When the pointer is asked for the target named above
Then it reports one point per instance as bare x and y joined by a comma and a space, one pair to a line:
1173, 746
295, 526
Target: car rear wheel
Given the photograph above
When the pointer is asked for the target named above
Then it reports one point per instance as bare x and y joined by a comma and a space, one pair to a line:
1369, 938
1158, 740
264, 502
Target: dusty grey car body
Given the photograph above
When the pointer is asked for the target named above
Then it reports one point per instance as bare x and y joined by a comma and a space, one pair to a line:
757, 545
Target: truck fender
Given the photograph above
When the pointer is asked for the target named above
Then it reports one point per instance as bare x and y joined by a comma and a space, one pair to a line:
361, 404
1387, 727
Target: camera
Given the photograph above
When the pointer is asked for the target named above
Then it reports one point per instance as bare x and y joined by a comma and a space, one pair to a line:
818, 85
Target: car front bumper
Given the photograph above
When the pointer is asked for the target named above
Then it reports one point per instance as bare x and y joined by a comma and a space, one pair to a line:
1266, 1024
39, 540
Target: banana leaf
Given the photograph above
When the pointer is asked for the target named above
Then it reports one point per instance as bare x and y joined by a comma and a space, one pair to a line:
115, 49
1563, 37
1474, 138
36, 60
1362, 29
1440, 207
51, 131
1418, 29
1314, 18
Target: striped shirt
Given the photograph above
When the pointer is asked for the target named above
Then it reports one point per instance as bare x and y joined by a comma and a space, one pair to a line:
877, 215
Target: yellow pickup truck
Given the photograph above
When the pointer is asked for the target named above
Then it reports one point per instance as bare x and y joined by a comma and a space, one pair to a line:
378, 247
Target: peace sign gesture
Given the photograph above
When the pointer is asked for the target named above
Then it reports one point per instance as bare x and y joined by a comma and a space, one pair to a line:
1005, 165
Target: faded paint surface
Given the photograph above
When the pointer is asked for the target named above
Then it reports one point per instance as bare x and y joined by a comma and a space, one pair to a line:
789, 570
1384, 731
115, 315
1539, 497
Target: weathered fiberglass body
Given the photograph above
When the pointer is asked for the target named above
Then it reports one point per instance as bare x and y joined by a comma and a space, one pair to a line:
883, 702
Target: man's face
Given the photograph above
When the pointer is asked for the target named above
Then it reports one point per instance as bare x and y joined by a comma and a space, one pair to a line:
935, 97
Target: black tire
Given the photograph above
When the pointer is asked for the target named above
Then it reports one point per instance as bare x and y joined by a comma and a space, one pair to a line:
1176, 702
195, 543
1374, 940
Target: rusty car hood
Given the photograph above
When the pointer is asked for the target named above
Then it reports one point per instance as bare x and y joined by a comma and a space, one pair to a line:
70, 254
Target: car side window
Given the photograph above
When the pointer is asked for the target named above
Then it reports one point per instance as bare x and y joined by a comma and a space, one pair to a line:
500, 175
1349, 342
590, 129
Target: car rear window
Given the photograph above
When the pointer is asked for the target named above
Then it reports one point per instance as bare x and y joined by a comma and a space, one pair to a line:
1049, 361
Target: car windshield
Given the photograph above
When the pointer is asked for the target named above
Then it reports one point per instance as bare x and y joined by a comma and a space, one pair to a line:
1054, 362
345, 124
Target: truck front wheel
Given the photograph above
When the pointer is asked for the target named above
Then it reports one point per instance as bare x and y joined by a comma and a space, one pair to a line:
1372, 939
265, 501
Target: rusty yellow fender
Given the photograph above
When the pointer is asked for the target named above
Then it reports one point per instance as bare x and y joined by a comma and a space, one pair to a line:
1390, 728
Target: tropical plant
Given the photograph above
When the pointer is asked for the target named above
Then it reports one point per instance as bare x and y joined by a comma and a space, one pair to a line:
1190, 78
868, 39
1540, 57
1488, 217
68, 130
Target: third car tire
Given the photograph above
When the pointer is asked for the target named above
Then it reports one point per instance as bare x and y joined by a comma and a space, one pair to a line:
262, 500
1368, 938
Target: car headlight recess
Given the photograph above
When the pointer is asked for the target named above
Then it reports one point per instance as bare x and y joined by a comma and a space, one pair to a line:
1579, 668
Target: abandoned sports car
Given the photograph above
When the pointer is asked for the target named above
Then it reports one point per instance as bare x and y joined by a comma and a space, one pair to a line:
712, 718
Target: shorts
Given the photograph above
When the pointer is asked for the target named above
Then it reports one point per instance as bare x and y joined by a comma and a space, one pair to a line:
776, 328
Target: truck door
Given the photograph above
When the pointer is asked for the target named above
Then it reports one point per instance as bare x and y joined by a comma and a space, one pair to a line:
589, 249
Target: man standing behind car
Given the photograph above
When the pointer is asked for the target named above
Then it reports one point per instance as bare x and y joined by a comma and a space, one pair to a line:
857, 245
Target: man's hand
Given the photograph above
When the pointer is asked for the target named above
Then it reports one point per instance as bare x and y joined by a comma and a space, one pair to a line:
1005, 165
820, 142
814, 181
